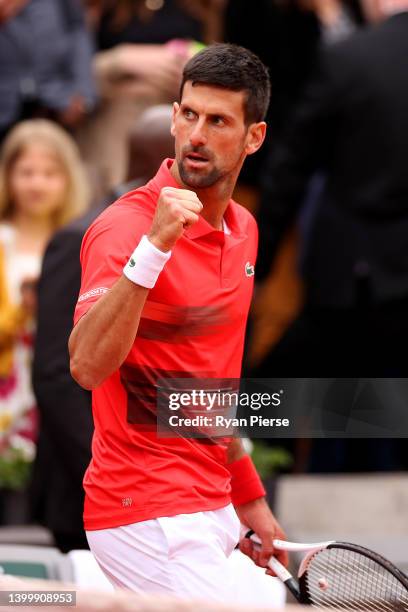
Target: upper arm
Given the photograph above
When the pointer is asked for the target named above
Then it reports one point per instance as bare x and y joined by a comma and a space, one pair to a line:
106, 248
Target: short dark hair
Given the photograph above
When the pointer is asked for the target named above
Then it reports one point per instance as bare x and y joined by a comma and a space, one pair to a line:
235, 68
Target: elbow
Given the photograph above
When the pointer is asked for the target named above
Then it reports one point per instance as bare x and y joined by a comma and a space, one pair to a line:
89, 367
82, 368
82, 373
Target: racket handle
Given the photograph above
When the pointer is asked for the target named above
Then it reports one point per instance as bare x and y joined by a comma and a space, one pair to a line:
276, 566
283, 574
292, 586
279, 569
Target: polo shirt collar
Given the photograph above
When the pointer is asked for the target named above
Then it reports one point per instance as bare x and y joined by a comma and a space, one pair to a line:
164, 178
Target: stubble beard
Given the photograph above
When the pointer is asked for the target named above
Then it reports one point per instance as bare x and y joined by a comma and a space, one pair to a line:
195, 180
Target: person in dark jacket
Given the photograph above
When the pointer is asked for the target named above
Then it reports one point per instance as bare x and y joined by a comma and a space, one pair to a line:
352, 126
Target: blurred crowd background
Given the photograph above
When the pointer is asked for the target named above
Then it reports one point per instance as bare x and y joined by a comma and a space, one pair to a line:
85, 105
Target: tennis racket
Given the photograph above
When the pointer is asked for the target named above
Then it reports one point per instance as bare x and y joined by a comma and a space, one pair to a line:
341, 576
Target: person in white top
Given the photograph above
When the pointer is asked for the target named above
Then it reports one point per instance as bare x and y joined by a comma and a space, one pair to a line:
42, 187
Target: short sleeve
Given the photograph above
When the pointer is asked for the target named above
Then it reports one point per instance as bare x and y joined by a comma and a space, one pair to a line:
106, 247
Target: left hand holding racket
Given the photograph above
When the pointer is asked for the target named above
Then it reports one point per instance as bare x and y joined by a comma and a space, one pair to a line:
259, 518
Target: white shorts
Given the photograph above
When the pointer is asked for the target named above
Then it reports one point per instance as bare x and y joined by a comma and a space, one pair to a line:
189, 556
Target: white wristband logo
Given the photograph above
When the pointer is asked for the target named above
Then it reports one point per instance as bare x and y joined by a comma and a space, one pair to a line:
145, 264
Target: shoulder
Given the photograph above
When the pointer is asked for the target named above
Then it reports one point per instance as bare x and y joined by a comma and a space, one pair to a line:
124, 214
361, 44
7, 234
117, 230
7, 239
342, 68
355, 64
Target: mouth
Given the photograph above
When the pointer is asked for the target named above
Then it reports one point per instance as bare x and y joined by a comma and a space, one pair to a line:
196, 160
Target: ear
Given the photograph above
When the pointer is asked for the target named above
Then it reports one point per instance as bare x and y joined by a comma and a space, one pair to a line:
176, 108
255, 137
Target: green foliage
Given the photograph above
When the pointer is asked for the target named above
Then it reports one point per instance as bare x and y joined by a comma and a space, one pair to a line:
14, 469
268, 460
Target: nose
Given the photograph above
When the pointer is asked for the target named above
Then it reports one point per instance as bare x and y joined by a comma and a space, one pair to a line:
198, 135
38, 182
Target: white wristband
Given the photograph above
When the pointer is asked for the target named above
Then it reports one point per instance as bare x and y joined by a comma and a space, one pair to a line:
145, 264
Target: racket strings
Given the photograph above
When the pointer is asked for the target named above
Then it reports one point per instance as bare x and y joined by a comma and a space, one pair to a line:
347, 580
371, 585
374, 586
365, 574
337, 601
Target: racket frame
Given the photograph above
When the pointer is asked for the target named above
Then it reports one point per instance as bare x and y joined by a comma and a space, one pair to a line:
298, 589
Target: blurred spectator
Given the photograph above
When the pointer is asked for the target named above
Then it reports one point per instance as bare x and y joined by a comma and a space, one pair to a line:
353, 126
336, 18
155, 21
141, 22
286, 34
64, 447
150, 141
45, 62
143, 46
41, 187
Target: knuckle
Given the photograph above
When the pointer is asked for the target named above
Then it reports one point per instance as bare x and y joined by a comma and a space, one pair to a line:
166, 192
174, 208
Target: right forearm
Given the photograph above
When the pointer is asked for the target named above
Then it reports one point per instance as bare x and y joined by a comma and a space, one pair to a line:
102, 339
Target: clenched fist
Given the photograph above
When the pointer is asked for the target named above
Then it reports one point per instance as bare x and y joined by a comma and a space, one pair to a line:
176, 210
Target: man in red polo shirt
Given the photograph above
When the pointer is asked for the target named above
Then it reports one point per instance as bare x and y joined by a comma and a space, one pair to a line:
159, 512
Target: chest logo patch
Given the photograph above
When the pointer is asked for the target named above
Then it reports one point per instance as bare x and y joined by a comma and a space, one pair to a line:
249, 269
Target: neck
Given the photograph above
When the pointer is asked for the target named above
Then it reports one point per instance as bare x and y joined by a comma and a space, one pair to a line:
37, 227
215, 199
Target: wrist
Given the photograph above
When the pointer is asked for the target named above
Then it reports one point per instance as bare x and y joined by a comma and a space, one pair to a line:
246, 485
162, 246
145, 264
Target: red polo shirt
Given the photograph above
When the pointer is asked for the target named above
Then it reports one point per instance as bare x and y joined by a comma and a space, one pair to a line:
192, 325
